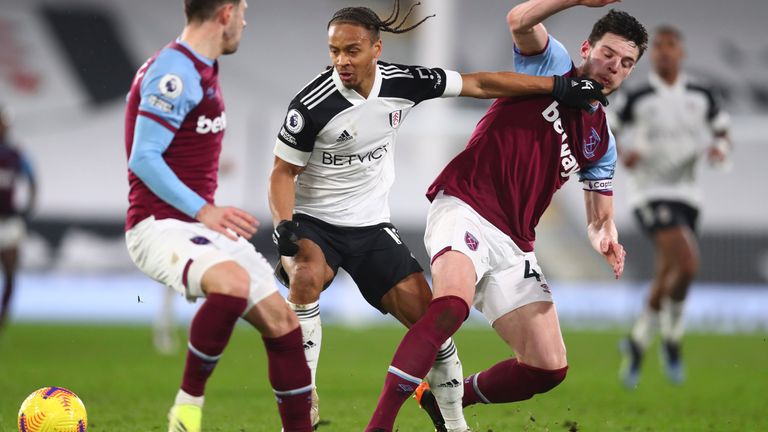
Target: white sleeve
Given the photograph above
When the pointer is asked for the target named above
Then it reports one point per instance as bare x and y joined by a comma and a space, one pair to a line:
453, 84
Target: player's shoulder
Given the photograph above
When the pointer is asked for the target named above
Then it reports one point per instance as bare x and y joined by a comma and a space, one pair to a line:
172, 75
321, 83
173, 61
695, 84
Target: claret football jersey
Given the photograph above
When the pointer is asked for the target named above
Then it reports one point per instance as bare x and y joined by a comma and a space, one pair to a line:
525, 148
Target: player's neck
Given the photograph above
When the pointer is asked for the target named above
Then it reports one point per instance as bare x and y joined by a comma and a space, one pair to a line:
204, 39
669, 76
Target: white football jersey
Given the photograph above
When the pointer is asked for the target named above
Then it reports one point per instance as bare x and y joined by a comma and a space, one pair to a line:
672, 128
346, 142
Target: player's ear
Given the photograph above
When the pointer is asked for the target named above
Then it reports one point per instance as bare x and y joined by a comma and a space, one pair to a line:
226, 14
586, 47
377, 48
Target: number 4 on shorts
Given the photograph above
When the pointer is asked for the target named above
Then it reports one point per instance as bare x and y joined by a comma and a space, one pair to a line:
530, 272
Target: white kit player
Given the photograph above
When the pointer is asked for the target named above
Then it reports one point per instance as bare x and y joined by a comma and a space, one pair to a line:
670, 123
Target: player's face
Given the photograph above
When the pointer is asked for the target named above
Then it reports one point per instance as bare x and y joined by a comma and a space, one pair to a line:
666, 53
609, 61
234, 29
353, 55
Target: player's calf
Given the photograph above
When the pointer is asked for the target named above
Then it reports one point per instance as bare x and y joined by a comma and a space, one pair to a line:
510, 381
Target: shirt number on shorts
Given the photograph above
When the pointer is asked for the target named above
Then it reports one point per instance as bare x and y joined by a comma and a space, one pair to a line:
531, 272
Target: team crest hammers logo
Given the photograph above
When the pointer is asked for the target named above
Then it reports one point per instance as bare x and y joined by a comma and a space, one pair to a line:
590, 144
471, 241
394, 118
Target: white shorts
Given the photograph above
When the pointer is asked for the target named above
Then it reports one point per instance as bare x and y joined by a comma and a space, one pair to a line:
507, 277
12, 232
177, 254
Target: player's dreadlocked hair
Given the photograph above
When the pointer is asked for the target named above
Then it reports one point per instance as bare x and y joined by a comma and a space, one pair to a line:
203, 10
368, 19
621, 24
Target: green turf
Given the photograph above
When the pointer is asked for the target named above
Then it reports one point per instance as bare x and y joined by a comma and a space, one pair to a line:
127, 387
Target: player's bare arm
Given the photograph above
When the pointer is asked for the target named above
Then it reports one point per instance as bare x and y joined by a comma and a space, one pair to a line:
601, 230
491, 85
228, 220
282, 199
525, 21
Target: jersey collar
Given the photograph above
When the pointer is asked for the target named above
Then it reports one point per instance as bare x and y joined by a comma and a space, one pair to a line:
354, 97
660, 84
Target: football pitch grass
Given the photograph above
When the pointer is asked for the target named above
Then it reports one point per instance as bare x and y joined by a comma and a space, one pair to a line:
126, 386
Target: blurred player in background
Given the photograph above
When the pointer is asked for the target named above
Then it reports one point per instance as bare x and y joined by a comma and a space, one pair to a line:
334, 167
13, 166
175, 124
487, 202
671, 124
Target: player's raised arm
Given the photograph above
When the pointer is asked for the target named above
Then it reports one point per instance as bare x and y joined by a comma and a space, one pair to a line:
525, 21
601, 230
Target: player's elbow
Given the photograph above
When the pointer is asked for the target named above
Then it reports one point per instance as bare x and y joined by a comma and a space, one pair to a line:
139, 163
515, 19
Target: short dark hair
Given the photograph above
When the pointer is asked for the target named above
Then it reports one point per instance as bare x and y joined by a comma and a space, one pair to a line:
368, 19
669, 30
203, 10
622, 24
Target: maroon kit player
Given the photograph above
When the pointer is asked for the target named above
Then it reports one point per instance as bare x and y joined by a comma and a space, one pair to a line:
488, 200
177, 235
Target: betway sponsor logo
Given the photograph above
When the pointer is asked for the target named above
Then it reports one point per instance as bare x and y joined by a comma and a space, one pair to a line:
568, 163
345, 160
216, 125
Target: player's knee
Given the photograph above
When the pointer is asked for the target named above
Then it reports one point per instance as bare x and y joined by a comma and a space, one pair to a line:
282, 320
233, 281
306, 284
543, 380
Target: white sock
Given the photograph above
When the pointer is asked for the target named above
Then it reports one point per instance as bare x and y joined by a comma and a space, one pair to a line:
645, 327
672, 326
446, 380
184, 398
311, 332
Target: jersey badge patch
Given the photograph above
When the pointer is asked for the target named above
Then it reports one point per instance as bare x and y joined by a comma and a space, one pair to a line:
171, 86
395, 117
199, 240
471, 241
294, 121
591, 143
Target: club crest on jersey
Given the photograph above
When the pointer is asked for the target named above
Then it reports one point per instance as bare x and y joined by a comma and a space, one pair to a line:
591, 143
294, 121
199, 240
471, 241
395, 117
171, 86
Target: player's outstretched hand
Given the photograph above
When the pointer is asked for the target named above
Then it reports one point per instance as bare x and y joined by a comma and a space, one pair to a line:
286, 236
577, 92
614, 253
230, 221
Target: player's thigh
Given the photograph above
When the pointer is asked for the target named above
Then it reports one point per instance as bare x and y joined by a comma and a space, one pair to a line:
458, 247
533, 333
315, 265
677, 246
408, 299
176, 254
379, 261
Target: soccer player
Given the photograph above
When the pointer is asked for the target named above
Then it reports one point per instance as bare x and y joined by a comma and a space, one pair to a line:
177, 235
13, 166
488, 200
334, 167
672, 124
